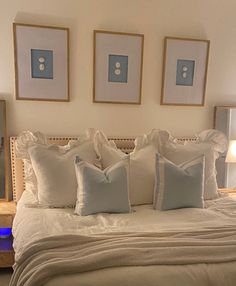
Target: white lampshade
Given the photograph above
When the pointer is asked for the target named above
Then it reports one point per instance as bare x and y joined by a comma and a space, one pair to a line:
231, 154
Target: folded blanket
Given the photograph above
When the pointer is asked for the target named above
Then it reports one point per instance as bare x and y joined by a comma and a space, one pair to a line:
70, 254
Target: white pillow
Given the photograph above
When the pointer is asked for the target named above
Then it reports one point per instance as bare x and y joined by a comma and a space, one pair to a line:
48, 164
102, 191
142, 163
25, 140
209, 143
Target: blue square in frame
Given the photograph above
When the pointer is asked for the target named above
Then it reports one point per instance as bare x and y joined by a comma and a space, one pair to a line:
185, 72
42, 64
118, 68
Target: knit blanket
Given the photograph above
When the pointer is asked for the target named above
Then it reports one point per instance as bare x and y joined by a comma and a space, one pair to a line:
70, 254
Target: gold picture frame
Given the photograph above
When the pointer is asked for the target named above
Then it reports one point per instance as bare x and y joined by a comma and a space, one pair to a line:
41, 62
117, 67
184, 75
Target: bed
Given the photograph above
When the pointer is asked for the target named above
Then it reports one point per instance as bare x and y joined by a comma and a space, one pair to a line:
187, 246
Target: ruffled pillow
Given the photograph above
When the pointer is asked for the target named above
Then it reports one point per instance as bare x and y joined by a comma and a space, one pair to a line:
24, 141
142, 162
208, 143
42, 168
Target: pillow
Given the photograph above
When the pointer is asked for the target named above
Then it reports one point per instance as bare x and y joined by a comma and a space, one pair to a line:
142, 162
50, 168
102, 191
208, 143
179, 186
23, 142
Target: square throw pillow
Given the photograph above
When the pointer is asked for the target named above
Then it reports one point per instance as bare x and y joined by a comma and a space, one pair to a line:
179, 186
50, 173
178, 154
142, 162
55, 174
102, 191
208, 143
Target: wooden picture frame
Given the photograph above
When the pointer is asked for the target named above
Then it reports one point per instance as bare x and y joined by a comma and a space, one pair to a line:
41, 62
117, 71
184, 74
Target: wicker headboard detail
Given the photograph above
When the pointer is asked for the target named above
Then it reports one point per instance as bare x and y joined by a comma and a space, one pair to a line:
17, 166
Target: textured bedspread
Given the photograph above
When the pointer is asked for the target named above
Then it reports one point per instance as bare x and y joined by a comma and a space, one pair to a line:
184, 247
75, 253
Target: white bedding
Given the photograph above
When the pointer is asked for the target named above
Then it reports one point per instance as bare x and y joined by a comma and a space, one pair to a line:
31, 224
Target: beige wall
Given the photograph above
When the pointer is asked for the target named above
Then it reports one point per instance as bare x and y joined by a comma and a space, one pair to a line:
205, 19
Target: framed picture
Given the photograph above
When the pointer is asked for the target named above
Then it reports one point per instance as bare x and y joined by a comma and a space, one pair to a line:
118, 61
184, 71
41, 62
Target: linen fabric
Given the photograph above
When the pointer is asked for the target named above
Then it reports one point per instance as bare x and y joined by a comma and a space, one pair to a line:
209, 143
179, 186
142, 163
55, 173
218, 216
102, 191
178, 153
49, 168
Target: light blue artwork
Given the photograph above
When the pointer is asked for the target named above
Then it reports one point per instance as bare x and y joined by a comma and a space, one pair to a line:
118, 68
185, 72
42, 64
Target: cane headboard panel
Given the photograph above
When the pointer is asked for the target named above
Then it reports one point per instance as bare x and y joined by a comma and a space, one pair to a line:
126, 144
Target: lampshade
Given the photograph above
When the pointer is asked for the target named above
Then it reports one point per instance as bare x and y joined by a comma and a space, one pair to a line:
231, 154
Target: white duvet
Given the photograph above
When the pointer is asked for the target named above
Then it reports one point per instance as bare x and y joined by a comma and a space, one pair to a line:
32, 224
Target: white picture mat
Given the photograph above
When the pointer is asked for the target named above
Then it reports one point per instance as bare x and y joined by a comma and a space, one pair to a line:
116, 44
189, 50
28, 38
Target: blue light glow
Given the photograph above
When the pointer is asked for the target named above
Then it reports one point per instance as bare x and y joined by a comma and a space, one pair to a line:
5, 232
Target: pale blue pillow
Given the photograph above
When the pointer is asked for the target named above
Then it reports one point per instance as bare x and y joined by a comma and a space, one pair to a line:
179, 186
102, 191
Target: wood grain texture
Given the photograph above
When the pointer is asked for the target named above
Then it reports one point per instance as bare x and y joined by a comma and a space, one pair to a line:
7, 213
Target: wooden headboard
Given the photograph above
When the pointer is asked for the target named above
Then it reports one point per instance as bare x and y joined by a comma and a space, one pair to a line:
126, 144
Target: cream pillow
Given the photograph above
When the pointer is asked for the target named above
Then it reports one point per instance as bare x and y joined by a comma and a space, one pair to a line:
208, 143
142, 162
50, 171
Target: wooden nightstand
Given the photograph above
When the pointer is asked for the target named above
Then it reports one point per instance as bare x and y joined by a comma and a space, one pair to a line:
231, 192
7, 213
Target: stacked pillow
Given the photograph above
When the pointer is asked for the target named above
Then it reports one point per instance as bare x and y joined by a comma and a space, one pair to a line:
142, 162
179, 186
50, 172
143, 167
208, 143
159, 171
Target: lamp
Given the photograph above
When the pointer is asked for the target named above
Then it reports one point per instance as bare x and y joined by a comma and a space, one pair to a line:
231, 154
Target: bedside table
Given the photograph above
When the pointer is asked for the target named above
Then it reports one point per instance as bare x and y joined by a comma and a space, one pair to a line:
227, 190
7, 213
230, 192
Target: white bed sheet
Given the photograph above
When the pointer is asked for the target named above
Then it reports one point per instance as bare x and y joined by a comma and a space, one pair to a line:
35, 223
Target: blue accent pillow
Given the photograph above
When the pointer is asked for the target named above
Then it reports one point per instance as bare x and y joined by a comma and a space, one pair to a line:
179, 186
102, 190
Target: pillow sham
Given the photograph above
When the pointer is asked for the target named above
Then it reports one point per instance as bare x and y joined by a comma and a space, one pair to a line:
142, 162
55, 174
46, 164
23, 142
179, 186
208, 143
102, 191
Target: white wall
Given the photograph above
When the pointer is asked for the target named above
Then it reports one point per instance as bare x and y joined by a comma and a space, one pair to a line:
205, 19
